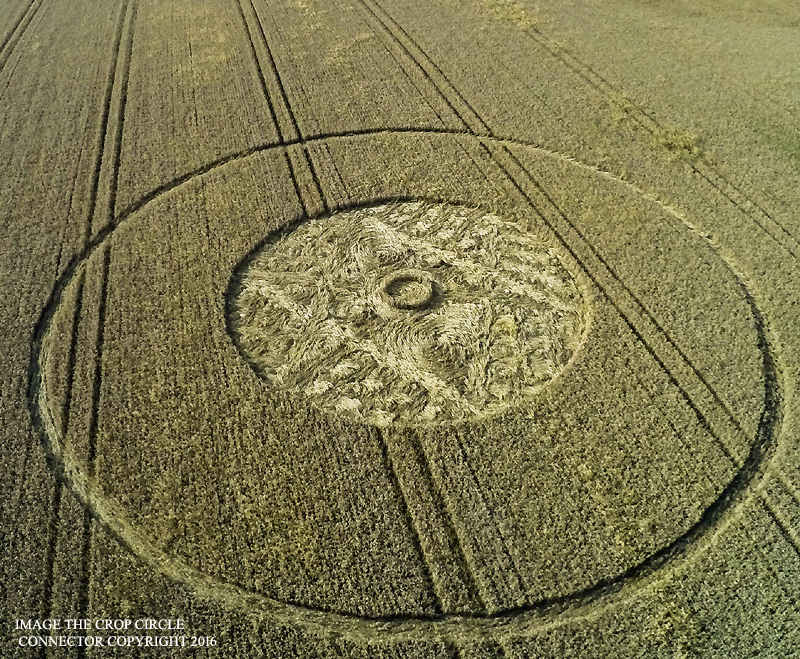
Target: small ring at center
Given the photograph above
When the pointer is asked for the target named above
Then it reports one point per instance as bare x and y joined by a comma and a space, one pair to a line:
407, 289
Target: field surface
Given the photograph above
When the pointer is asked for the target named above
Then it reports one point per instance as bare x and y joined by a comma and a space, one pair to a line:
398, 330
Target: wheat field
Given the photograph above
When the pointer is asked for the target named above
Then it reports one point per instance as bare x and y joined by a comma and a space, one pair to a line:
400, 330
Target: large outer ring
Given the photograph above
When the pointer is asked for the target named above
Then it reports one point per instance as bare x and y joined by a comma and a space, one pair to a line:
507, 623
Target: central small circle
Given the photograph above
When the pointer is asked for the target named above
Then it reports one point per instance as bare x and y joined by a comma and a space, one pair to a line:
407, 289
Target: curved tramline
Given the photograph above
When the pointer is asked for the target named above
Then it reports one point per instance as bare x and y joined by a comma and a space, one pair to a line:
589, 450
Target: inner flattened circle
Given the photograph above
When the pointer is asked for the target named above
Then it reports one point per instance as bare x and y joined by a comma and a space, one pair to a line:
410, 313
407, 289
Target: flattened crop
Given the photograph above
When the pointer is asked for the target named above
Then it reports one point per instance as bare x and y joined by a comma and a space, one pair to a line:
408, 313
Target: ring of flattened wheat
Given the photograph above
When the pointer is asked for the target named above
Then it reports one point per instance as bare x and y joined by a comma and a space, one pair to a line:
536, 615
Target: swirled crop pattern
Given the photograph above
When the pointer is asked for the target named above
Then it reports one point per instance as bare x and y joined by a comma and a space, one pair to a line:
411, 312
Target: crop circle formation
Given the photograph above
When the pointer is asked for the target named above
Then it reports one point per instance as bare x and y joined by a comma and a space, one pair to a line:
314, 305
408, 312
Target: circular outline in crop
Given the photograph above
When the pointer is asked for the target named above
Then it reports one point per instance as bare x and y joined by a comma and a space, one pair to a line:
537, 616
424, 295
